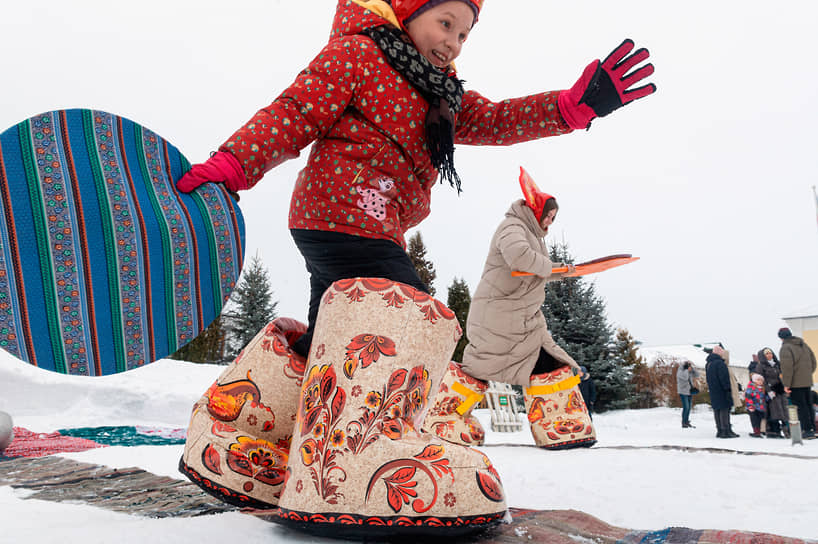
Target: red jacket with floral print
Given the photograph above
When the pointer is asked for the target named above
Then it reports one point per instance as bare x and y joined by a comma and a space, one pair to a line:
369, 172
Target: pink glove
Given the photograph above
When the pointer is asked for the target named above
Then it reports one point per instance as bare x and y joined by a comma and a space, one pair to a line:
604, 87
221, 167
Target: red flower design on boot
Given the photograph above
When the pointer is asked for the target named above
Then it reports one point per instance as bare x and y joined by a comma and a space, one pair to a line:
257, 459
322, 402
366, 349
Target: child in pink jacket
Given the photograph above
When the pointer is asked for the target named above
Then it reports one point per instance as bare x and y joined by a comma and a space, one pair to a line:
755, 403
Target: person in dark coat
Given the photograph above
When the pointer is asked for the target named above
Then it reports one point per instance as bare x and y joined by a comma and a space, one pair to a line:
777, 416
752, 368
588, 389
721, 398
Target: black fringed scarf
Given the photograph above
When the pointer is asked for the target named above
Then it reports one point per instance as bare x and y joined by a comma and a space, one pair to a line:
444, 93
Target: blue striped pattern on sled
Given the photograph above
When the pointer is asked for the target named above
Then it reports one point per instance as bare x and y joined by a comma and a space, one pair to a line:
104, 265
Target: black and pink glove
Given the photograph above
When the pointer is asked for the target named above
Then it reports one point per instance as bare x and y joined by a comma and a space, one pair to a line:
606, 86
221, 167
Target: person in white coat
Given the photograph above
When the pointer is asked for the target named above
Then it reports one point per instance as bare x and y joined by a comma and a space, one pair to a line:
685, 387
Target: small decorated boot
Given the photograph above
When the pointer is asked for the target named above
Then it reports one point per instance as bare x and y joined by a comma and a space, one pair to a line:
239, 435
450, 418
557, 414
358, 467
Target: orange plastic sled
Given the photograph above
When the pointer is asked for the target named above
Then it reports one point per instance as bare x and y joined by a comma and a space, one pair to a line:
589, 267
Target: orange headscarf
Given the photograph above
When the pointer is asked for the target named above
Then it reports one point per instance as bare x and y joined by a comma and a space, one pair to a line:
534, 198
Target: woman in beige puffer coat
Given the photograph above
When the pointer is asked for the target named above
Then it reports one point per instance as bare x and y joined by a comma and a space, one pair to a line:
507, 331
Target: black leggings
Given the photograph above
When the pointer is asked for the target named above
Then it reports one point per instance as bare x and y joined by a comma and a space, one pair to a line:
800, 397
545, 363
333, 256
755, 419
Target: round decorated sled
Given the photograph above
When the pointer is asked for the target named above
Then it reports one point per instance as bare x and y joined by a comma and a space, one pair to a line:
104, 265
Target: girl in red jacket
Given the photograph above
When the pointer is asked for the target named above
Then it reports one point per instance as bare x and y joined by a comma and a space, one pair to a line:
384, 108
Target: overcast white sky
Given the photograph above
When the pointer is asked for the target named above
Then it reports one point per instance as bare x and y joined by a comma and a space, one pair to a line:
708, 181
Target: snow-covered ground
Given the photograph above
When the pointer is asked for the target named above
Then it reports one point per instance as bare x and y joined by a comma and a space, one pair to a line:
621, 480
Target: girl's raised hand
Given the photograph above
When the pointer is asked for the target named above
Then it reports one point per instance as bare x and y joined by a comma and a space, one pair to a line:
606, 86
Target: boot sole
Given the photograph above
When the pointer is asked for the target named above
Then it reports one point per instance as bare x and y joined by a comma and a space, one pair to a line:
358, 527
221, 492
570, 445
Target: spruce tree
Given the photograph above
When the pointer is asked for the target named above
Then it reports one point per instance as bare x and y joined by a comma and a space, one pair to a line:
626, 356
576, 319
251, 306
624, 359
424, 267
459, 301
626, 346
208, 347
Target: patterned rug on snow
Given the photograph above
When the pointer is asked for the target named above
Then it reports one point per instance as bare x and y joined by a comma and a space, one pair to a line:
28, 443
138, 492
129, 490
138, 435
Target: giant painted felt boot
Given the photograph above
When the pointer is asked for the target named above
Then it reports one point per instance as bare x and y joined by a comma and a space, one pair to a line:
358, 467
450, 417
557, 414
240, 430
